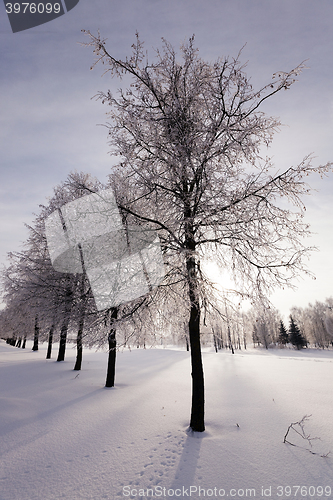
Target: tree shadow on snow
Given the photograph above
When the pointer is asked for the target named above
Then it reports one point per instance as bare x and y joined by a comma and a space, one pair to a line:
188, 462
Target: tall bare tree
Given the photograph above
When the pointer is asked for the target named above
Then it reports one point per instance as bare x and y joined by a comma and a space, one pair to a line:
190, 135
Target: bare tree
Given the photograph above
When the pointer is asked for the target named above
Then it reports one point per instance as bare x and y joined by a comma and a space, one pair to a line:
189, 134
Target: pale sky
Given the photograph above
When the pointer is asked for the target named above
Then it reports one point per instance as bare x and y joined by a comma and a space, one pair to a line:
49, 121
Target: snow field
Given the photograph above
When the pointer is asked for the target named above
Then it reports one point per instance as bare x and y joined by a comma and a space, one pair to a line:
64, 436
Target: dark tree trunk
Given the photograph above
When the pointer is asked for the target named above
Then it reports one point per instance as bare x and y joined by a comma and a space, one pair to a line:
79, 347
230, 341
19, 342
24, 341
110, 376
64, 328
62, 342
36, 335
229, 332
49, 346
215, 340
197, 422
83, 300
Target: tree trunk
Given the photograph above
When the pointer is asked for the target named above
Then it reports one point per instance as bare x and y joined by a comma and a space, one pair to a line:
110, 376
49, 346
83, 300
62, 342
35, 346
215, 340
215, 344
230, 342
197, 422
24, 341
64, 328
79, 347
19, 342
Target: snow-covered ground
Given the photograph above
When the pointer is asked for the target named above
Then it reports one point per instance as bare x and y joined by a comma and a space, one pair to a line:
64, 436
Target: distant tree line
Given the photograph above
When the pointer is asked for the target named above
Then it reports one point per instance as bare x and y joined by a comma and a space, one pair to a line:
309, 326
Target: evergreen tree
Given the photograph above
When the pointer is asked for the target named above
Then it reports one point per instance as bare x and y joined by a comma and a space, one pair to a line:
283, 334
295, 336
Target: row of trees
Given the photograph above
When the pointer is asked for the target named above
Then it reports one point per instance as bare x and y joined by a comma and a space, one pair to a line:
191, 136
147, 326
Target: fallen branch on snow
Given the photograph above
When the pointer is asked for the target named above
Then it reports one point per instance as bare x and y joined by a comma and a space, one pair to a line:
298, 427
